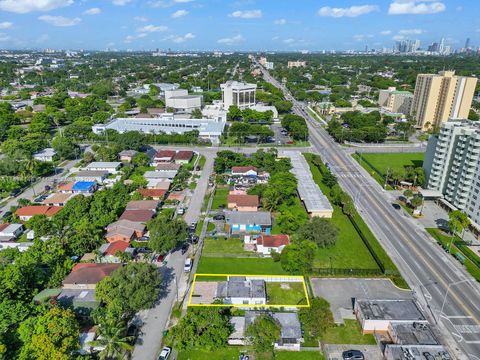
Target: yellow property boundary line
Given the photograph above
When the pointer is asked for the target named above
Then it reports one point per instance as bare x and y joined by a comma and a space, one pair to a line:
300, 278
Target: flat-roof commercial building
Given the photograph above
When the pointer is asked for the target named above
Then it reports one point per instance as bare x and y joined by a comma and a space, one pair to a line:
238, 93
395, 100
439, 97
312, 197
181, 101
208, 129
295, 64
452, 165
416, 352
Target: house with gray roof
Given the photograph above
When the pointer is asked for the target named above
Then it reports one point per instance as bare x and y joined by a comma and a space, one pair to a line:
248, 222
239, 290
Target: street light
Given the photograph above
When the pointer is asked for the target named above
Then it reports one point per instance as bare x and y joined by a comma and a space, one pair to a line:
448, 289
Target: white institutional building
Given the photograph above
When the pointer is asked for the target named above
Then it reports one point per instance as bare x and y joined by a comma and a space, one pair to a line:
452, 165
238, 93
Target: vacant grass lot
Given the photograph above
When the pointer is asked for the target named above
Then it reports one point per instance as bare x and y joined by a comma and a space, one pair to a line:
285, 294
246, 266
219, 246
350, 333
220, 197
393, 161
232, 353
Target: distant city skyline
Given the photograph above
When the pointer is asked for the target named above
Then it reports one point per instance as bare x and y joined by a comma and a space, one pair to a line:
236, 25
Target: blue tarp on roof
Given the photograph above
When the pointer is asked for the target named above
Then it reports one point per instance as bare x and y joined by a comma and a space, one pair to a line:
83, 185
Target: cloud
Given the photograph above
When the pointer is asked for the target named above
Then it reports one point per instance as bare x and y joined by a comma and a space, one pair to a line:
120, 2
386, 32
352, 11
165, 3
411, 32
179, 13
362, 37
181, 39
231, 40
415, 7
6, 25
26, 6
247, 14
4, 37
60, 20
92, 11
140, 18
280, 22
152, 28
289, 41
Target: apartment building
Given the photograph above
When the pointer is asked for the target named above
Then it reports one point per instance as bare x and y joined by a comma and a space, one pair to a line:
395, 100
238, 93
295, 64
442, 96
452, 165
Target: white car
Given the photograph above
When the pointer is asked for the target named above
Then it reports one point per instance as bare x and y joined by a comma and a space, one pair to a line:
188, 265
165, 353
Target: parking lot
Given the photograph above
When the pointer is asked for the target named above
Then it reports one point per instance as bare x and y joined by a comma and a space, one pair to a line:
281, 138
370, 352
340, 292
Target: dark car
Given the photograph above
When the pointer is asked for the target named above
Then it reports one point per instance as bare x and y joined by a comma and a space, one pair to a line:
15, 192
184, 248
219, 217
6, 214
144, 251
396, 206
193, 239
353, 355
193, 226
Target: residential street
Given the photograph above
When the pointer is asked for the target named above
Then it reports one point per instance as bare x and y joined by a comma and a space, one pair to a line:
448, 294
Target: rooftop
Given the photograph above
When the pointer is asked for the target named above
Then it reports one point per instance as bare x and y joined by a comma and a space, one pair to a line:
289, 323
168, 167
91, 173
241, 289
103, 165
58, 198
390, 310
416, 352
89, 273
413, 334
243, 169
165, 154
142, 216
273, 240
38, 210
244, 200
142, 205
152, 192
183, 155
249, 217
83, 185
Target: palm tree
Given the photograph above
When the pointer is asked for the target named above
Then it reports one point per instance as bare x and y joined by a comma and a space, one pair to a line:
113, 340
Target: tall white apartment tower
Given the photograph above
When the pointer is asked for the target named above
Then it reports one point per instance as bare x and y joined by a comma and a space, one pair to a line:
452, 165
238, 93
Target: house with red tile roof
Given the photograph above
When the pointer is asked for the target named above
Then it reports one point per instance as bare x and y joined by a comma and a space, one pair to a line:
151, 205
109, 252
244, 171
155, 194
268, 243
88, 275
243, 202
164, 156
137, 215
124, 230
27, 212
183, 156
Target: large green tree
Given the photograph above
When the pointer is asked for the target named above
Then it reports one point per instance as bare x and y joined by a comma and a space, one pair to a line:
166, 233
113, 340
317, 318
298, 258
263, 332
319, 230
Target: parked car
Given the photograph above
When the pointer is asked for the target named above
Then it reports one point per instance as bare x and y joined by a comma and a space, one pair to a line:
144, 250
6, 214
193, 238
352, 355
165, 354
396, 206
180, 211
219, 217
188, 265
15, 192
184, 248
193, 226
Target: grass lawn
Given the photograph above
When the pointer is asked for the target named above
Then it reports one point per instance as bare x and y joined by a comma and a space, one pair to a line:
285, 294
445, 239
220, 197
210, 227
232, 353
246, 266
350, 333
201, 161
218, 246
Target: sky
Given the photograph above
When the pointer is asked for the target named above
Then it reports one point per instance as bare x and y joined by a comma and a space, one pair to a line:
256, 25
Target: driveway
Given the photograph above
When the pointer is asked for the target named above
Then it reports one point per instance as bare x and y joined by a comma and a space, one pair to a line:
370, 352
340, 292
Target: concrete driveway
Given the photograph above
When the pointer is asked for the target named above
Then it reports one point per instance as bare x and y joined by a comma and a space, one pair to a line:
370, 352
340, 292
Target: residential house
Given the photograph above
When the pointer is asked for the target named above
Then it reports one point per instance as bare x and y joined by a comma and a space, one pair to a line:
98, 176
238, 222
160, 175
266, 244
183, 157
79, 187
10, 232
142, 216
87, 335
249, 171
109, 252
151, 205
168, 167
375, 316
111, 167
124, 230
290, 329
243, 202
127, 155
159, 184
164, 156
47, 154
57, 199
27, 212
155, 194
240, 290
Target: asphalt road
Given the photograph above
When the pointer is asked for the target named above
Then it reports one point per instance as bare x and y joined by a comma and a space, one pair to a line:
448, 294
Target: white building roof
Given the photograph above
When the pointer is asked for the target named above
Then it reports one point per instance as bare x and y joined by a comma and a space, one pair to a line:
103, 165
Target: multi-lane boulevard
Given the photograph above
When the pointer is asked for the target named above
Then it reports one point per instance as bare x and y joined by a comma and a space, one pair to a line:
448, 294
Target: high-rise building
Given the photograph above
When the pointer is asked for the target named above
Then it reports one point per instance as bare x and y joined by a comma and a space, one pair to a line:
452, 165
395, 101
441, 96
467, 43
238, 93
